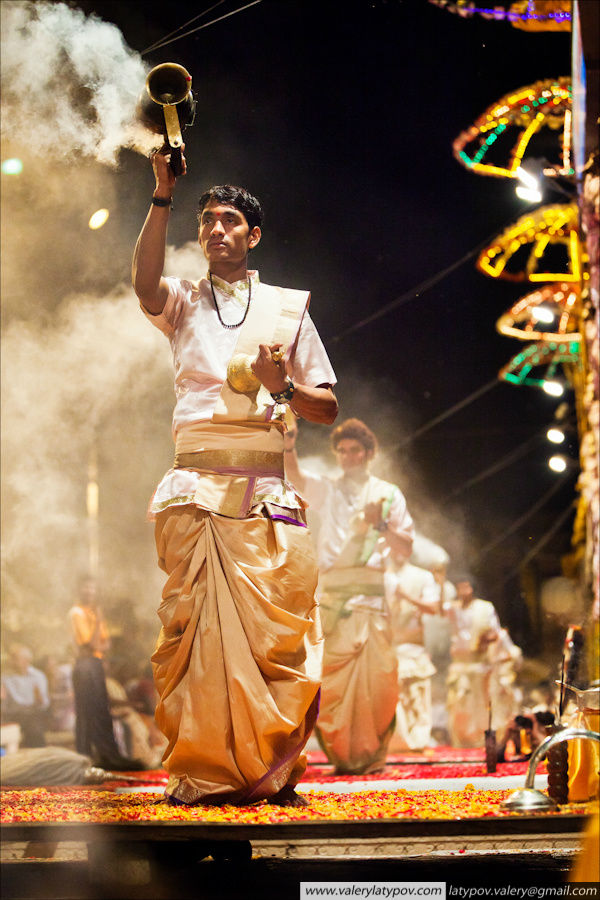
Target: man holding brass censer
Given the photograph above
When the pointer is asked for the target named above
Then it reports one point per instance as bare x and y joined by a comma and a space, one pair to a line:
238, 698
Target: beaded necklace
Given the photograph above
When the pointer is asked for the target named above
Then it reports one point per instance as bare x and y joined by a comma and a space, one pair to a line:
243, 319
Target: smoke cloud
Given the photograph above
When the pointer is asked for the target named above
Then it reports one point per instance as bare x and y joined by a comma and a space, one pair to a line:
97, 384
85, 378
69, 83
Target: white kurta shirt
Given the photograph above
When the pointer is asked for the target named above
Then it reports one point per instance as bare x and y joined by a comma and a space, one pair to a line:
29, 689
201, 349
340, 501
469, 623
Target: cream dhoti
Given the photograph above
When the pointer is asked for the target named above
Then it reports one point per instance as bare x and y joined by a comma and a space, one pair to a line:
359, 675
238, 617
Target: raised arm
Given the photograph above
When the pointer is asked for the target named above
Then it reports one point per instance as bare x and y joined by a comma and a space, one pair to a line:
149, 254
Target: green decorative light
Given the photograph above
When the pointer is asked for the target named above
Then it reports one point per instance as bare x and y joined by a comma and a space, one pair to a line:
550, 354
485, 146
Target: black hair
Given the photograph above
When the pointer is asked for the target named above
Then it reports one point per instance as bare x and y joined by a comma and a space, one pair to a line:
234, 196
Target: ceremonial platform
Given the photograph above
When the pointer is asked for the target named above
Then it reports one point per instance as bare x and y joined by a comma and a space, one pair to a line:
427, 815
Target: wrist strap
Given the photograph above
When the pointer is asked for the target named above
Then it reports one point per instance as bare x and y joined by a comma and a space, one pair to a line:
162, 201
284, 396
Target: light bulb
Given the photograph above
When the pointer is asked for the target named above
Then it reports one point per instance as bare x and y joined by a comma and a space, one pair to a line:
557, 463
98, 219
554, 388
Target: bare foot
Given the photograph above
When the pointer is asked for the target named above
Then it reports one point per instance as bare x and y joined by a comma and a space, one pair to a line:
287, 796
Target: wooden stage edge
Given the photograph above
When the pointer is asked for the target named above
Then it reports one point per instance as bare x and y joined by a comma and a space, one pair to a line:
381, 838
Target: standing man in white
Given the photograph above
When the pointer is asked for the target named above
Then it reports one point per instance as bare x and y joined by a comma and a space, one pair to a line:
363, 520
238, 613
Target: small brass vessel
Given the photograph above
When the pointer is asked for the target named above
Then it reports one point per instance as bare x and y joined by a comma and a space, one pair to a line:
240, 375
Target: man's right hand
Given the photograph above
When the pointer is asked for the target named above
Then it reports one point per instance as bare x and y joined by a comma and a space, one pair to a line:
163, 173
373, 513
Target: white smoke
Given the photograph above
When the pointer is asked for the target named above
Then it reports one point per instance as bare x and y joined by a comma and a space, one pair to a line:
96, 379
84, 375
70, 83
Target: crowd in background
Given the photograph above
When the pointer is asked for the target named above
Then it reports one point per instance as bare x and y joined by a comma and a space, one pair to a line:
412, 655
464, 666
40, 697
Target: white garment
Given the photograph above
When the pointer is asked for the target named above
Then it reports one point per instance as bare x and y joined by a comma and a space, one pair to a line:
340, 502
414, 719
469, 623
470, 671
359, 676
403, 584
202, 348
29, 689
505, 694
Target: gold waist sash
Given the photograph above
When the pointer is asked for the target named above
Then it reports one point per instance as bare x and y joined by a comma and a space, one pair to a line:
238, 462
229, 458
255, 448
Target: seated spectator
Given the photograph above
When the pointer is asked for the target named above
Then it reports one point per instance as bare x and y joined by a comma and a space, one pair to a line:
25, 698
142, 692
138, 738
62, 696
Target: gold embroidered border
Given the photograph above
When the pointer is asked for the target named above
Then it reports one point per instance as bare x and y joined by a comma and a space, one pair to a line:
251, 462
172, 501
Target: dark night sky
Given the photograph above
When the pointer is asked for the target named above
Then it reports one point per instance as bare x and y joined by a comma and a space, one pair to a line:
340, 117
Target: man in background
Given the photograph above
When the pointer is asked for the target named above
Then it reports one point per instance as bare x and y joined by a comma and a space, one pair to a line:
474, 626
363, 518
94, 734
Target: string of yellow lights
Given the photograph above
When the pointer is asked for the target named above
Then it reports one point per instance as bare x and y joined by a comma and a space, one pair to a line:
553, 224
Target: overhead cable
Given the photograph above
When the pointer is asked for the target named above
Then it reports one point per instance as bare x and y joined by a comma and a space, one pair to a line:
163, 43
522, 519
502, 463
449, 412
539, 545
159, 42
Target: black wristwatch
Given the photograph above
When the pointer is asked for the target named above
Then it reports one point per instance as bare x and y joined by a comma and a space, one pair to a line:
284, 396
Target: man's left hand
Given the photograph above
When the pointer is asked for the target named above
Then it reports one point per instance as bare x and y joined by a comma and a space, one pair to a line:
270, 372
